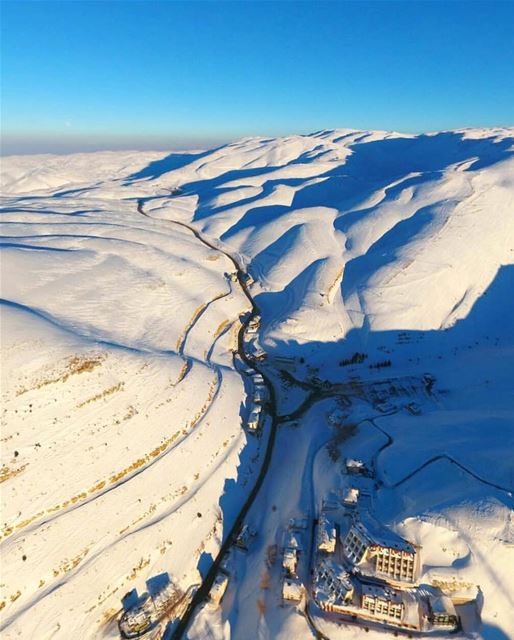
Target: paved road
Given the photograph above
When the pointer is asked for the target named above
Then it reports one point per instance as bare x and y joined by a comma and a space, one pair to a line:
203, 591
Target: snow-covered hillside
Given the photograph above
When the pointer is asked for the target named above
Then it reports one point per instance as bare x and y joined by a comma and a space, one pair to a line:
123, 448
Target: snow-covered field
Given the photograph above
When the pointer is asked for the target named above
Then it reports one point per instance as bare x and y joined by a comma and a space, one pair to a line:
123, 452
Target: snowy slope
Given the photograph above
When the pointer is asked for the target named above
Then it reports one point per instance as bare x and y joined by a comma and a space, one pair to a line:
122, 414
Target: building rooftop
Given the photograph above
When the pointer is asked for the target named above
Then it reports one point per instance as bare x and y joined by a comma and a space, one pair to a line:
379, 535
442, 604
379, 591
355, 464
332, 585
292, 589
255, 412
326, 531
336, 570
292, 541
351, 496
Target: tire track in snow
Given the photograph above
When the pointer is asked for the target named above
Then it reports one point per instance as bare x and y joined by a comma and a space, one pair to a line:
176, 506
442, 456
33, 526
181, 343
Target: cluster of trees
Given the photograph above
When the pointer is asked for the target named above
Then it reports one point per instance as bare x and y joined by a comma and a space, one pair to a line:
380, 365
357, 358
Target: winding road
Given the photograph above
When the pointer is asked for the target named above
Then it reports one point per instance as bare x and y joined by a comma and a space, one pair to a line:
203, 591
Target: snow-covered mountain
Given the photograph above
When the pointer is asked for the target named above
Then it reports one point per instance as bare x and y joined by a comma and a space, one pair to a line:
123, 448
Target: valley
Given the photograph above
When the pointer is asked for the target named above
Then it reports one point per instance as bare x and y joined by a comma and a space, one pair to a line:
221, 365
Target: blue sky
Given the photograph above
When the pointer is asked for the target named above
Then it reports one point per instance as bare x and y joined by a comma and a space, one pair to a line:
144, 74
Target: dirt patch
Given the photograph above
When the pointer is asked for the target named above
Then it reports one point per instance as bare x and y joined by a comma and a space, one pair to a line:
73, 365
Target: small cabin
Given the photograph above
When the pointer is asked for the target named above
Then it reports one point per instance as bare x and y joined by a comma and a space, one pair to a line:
254, 419
290, 561
292, 590
260, 394
326, 536
356, 467
351, 497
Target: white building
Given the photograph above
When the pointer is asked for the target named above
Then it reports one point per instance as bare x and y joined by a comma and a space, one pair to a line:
247, 279
356, 467
260, 394
254, 419
351, 497
378, 551
332, 587
254, 323
326, 535
232, 276
293, 541
134, 623
251, 329
163, 598
290, 561
139, 615
292, 589
257, 379
442, 614
383, 603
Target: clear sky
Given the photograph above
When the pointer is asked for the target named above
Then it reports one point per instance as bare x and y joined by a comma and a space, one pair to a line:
144, 74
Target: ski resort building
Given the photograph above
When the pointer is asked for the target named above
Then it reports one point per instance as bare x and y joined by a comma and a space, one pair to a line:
333, 588
292, 549
260, 394
139, 615
442, 614
254, 324
356, 467
142, 613
254, 419
326, 535
378, 551
290, 561
413, 408
247, 279
292, 589
382, 602
288, 362
351, 497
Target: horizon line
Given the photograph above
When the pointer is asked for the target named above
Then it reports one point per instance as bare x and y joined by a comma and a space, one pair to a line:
59, 144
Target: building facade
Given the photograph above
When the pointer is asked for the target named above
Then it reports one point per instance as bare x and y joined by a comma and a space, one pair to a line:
385, 554
326, 535
397, 564
382, 603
